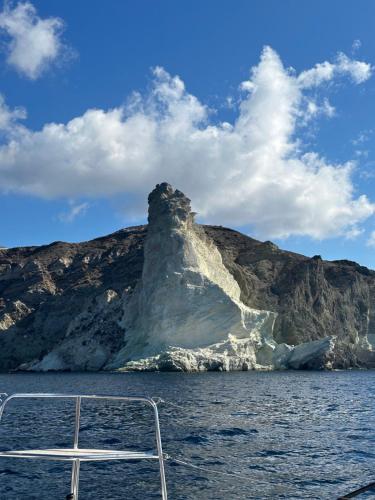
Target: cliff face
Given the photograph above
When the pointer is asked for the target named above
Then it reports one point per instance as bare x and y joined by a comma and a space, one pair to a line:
312, 297
67, 292
179, 296
186, 298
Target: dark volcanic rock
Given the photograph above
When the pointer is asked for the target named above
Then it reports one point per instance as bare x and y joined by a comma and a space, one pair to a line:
45, 290
313, 298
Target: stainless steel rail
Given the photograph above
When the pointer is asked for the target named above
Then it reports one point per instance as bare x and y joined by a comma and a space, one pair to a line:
76, 455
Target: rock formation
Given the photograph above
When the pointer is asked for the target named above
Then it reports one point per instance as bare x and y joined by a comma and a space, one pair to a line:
175, 295
186, 312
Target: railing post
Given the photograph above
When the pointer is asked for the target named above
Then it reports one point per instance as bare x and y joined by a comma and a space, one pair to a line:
3, 401
164, 494
76, 426
75, 465
75, 479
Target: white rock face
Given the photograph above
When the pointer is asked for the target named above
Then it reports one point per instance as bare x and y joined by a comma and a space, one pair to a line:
233, 354
186, 312
309, 351
18, 311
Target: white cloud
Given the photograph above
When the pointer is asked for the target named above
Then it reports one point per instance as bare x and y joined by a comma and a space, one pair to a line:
34, 43
8, 117
313, 109
74, 211
363, 136
358, 71
371, 240
353, 233
250, 172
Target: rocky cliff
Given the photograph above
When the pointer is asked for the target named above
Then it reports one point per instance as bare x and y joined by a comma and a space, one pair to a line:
177, 295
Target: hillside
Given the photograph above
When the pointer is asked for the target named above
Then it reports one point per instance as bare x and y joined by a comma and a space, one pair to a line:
74, 294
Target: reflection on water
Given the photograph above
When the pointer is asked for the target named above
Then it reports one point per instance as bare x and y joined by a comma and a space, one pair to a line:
293, 434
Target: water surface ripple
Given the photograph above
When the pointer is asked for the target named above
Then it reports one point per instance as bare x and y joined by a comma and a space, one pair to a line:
292, 434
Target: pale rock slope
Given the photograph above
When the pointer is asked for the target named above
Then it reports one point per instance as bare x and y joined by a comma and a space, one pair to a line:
186, 311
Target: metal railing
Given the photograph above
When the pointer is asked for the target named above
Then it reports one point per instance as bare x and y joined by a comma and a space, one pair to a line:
76, 461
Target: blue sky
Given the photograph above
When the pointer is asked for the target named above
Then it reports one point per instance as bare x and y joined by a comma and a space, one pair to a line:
282, 154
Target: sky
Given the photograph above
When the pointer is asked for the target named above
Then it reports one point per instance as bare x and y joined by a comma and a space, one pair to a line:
261, 112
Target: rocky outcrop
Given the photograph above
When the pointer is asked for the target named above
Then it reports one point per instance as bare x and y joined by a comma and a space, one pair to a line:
176, 295
77, 317
312, 297
91, 338
186, 297
186, 311
235, 354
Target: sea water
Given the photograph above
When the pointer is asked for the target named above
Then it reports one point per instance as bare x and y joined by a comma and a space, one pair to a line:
285, 434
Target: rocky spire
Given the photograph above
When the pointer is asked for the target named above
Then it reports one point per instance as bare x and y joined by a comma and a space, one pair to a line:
186, 297
168, 208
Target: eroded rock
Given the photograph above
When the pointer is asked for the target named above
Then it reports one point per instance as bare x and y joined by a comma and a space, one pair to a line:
186, 311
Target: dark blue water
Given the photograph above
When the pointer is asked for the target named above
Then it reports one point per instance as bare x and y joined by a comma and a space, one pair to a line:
292, 434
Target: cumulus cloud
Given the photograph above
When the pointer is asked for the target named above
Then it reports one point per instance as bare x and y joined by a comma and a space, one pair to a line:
358, 71
253, 171
33, 43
